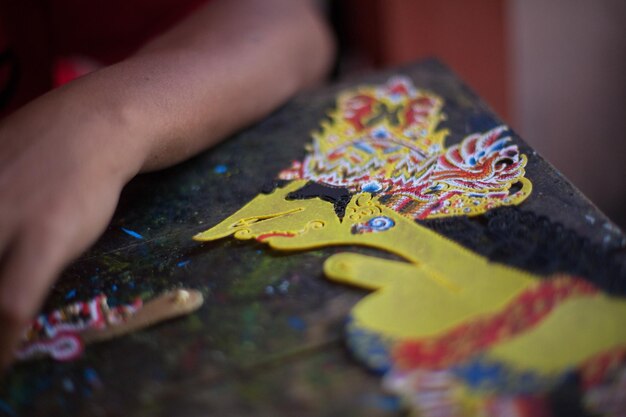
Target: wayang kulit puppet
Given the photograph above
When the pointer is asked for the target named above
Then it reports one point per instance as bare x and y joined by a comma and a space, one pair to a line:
454, 333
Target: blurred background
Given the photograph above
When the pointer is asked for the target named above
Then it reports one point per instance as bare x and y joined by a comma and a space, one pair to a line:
554, 70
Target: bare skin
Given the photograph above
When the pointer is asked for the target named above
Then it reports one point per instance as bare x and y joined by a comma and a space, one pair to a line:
65, 157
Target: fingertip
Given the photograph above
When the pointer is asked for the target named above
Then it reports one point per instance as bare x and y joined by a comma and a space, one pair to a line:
22, 287
11, 322
25, 278
16, 311
9, 339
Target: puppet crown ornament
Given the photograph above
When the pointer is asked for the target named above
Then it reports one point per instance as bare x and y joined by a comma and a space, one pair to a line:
381, 163
385, 140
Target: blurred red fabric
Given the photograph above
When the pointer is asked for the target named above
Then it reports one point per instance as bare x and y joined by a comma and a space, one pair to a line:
54, 41
110, 30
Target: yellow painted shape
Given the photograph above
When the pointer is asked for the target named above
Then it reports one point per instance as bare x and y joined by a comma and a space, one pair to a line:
443, 284
577, 330
411, 301
440, 285
269, 213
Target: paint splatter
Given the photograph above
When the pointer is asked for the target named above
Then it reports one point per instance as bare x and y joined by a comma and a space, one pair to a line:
68, 385
6, 408
385, 402
183, 264
132, 233
296, 323
92, 378
220, 169
70, 294
283, 287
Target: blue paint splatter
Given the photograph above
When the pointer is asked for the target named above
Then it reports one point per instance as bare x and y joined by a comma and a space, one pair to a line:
132, 233
296, 323
283, 287
91, 376
364, 147
182, 264
220, 169
6, 408
114, 287
70, 294
386, 402
68, 385
392, 149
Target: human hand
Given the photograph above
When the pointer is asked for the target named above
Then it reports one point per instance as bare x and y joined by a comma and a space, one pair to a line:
65, 157
63, 164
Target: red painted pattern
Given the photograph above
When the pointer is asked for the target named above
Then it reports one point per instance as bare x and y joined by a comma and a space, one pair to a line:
265, 236
525, 311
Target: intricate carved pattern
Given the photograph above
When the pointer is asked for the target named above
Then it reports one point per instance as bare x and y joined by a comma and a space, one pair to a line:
384, 140
496, 338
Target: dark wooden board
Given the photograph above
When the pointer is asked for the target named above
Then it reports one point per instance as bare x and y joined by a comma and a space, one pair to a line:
269, 339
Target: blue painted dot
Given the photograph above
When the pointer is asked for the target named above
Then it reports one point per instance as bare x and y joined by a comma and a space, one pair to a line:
132, 233
372, 187
296, 323
114, 287
220, 169
68, 385
70, 294
182, 264
91, 376
6, 409
387, 403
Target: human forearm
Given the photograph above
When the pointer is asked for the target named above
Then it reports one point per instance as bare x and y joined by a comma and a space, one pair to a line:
65, 157
224, 67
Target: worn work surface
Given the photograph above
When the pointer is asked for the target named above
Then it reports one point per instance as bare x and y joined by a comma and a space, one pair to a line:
269, 339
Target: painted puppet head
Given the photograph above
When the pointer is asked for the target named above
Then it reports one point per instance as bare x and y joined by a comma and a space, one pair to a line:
486, 330
383, 142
